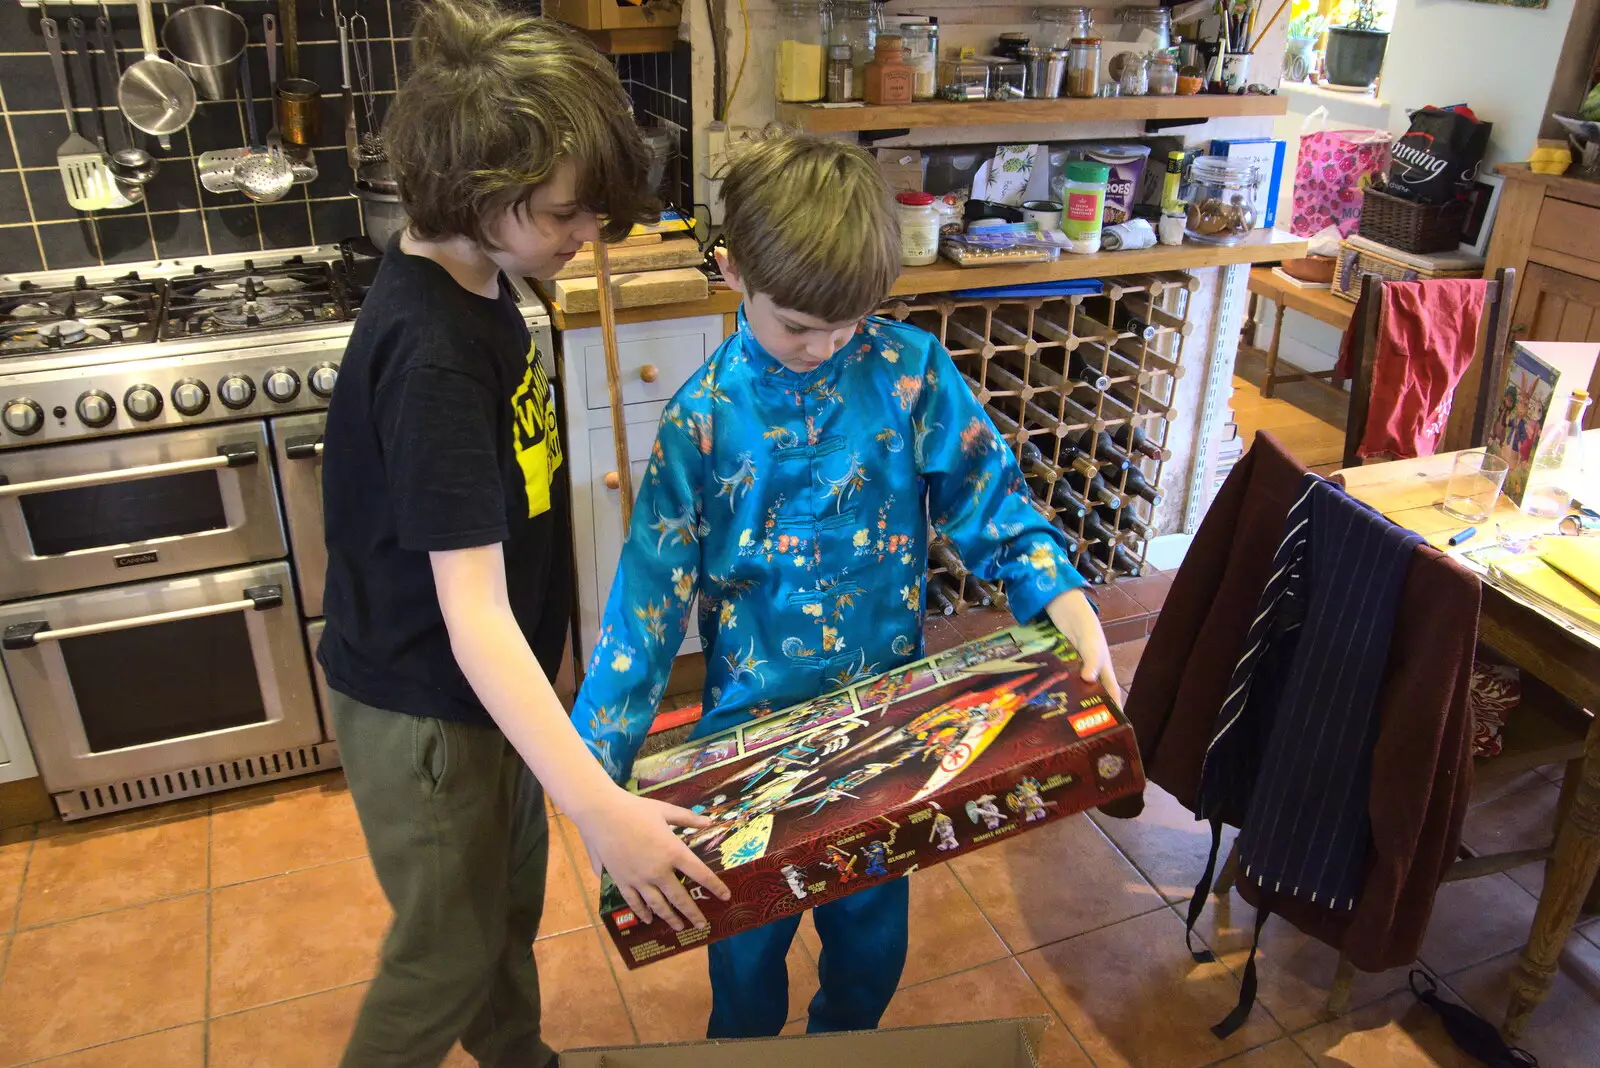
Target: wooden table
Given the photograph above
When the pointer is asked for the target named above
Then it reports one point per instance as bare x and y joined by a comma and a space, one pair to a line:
1320, 304
1408, 492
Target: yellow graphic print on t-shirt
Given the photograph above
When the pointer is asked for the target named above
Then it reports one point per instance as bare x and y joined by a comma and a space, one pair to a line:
537, 441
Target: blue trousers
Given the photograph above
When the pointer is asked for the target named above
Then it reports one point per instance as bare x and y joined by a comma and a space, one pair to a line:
863, 953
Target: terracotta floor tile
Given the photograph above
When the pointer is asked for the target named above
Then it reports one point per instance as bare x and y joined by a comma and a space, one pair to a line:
582, 1005
1151, 590
565, 904
580, 864
670, 1000
1565, 1029
296, 934
181, 1047
1115, 604
1166, 842
283, 832
1123, 631
1397, 1032
1134, 997
1294, 971
980, 622
13, 862
91, 868
1474, 920
938, 635
1125, 659
1053, 883
994, 991
307, 1032
1280, 1054
1491, 782
1523, 820
78, 984
136, 817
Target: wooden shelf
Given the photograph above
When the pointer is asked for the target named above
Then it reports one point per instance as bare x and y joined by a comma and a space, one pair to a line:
820, 119
1263, 246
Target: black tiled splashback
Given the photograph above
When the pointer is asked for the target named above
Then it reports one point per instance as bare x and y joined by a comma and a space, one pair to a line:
39, 230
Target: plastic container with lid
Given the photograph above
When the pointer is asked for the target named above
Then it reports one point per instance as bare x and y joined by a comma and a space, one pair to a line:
1163, 74
919, 228
1083, 201
1083, 67
802, 59
1221, 198
921, 45
1157, 20
1059, 25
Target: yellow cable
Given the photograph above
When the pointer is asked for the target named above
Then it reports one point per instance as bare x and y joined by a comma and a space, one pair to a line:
727, 107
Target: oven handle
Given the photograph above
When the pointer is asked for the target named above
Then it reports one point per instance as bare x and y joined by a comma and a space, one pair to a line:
28, 635
227, 456
308, 447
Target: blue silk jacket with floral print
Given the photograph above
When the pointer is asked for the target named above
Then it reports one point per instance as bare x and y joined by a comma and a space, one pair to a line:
793, 506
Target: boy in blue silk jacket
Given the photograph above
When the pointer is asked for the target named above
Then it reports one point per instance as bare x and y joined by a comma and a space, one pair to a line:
790, 490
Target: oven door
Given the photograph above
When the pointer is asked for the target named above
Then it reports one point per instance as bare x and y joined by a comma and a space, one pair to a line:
190, 675
297, 443
123, 509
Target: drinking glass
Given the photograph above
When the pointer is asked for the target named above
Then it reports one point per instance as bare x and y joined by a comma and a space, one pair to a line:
1475, 482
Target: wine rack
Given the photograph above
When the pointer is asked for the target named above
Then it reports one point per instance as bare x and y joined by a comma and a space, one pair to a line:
1081, 389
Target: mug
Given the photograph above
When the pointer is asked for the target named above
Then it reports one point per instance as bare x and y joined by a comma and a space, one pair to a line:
1044, 214
1236, 71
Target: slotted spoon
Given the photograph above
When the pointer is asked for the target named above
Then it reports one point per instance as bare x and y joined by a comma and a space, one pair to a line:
83, 165
262, 175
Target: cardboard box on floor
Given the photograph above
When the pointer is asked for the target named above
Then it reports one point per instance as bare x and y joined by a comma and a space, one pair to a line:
987, 1044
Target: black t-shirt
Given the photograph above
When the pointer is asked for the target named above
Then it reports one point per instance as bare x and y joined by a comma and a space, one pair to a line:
441, 435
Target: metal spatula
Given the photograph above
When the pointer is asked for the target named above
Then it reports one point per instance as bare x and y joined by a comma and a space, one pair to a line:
83, 164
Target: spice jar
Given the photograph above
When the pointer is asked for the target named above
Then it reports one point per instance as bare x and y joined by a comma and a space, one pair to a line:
921, 48
802, 55
1083, 67
888, 79
1059, 25
841, 74
852, 23
1083, 198
1163, 74
919, 229
963, 79
1221, 200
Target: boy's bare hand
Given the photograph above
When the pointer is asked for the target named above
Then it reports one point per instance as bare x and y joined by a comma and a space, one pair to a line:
631, 837
1075, 617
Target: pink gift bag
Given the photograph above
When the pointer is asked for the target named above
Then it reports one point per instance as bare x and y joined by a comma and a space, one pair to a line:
1333, 170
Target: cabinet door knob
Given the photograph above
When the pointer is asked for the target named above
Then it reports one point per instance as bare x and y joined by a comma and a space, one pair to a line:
612, 481
649, 373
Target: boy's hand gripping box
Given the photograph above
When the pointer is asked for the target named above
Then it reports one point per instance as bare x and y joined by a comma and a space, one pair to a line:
949, 754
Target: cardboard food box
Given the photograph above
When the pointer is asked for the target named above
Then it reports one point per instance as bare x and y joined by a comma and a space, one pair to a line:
929, 762
984, 1044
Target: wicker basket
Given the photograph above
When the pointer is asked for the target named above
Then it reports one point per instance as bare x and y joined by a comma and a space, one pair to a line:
1410, 226
1359, 256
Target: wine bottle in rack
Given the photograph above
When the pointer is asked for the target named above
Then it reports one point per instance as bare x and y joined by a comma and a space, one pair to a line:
1071, 535
941, 596
1096, 527
1067, 503
943, 554
1128, 323
1079, 371
1093, 489
988, 596
1091, 569
1124, 519
1117, 558
1129, 437
1136, 485
1106, 453
1034, 463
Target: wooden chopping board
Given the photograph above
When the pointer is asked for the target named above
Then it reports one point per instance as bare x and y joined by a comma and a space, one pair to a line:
629, 259
630, 290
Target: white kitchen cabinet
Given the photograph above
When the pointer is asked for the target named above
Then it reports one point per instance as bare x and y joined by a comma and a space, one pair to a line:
16, 758
656, 358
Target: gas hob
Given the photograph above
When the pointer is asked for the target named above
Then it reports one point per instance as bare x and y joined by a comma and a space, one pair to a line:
138, 347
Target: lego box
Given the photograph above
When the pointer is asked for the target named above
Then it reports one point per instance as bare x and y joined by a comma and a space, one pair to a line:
944, 756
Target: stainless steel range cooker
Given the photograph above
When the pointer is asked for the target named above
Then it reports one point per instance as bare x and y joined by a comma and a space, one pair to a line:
160, 509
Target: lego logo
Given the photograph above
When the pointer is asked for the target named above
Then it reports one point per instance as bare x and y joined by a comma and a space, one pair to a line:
957, 758
624, 919
1093, 722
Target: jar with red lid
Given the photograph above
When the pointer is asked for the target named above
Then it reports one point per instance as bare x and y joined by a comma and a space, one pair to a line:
919, 229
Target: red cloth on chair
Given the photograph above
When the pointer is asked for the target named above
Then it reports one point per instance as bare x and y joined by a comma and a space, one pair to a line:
1427, 337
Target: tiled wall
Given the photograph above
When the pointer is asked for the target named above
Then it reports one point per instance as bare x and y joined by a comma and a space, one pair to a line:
658, 82
38, 229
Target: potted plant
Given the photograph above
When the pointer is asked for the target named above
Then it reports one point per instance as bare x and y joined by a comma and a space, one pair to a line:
1299, 58
1355, 49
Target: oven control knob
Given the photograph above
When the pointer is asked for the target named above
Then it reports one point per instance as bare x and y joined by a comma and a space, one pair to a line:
22, 416
96, 408
142, 402
190, 397
236, 391
322, 378
281, 384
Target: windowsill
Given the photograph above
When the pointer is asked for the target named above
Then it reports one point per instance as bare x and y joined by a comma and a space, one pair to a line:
1310, 91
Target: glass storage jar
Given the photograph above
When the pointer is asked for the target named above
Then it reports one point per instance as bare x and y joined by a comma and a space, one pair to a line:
1008, 78
1163, 74
1059, 25
921, 45
1158, 20
1083, 67
1221, 198
1132, 75
1007, 45
919, 229
802, 52
841, 75
853, 24
963, 79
